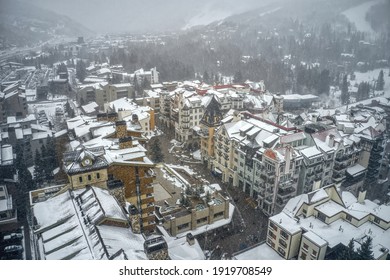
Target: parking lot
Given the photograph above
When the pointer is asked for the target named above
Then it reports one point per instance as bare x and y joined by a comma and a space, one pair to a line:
12, 245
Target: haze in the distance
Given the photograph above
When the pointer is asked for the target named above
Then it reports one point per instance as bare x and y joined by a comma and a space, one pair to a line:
115, 16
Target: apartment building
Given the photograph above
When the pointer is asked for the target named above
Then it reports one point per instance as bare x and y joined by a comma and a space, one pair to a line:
12, 101
317, 225
103, 92
188, 114
248, 156
128, 111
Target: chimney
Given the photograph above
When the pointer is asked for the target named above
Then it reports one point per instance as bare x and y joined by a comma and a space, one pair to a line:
120, 129
190, 239
362, 196
331, 140
125, 142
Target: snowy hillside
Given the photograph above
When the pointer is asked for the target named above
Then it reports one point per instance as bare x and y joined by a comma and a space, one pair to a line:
357, 15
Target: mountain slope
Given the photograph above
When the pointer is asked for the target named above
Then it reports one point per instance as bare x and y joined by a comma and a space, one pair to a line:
24, 24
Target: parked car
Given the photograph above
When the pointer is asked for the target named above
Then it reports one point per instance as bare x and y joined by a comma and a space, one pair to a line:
13, 237
13, 249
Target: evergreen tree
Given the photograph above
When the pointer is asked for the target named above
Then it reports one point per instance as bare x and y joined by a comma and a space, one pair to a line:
365, 250
145, 84
69, 110
81, 71
344, 91
206, 77
238, 79
348, 253
324, 82
155, 150
39, 172
380, 83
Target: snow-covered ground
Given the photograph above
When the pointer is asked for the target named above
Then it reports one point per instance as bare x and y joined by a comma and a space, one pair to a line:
357, 15
370, 77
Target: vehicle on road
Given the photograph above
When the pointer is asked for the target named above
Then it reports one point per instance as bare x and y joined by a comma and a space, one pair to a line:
13, 237
13, 249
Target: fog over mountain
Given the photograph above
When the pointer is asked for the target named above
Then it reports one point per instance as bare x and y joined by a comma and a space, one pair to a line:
115, 16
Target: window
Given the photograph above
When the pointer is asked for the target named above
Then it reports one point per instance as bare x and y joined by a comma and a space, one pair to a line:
321, 216
89, 177
272, 244
304, 211
283, 243
98, 175
281, 251
349, 218
377, 220
202, 220
305, 246
80, 179
270, 233
303, 256
183, 226
284, 234
314, 253
273, 226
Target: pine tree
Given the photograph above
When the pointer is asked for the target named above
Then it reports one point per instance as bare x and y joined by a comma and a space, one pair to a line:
365, 250
81, 71
324, 82
344, 91
206, 77
238, 79
155, 150
69, 110
39, 172
348, 253
380, 83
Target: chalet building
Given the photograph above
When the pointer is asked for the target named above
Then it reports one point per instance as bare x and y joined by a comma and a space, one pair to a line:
210, 121
317, 225
122, 159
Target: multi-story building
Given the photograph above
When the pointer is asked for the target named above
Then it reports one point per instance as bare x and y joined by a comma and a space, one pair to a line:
103, 92
210, 121
12, 101
127, 110
312, 169
319, 224
248, 155
117, 154
190, 111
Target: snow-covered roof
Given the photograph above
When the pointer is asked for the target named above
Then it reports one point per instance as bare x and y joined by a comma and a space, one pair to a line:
90, 107
355, 170
313, 237
311, 152
70, 229
259, 252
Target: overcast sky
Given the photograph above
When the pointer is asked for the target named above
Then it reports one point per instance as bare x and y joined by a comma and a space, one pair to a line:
105, 16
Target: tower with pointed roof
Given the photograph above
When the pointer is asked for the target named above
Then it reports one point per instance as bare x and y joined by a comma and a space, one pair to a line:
210, 121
